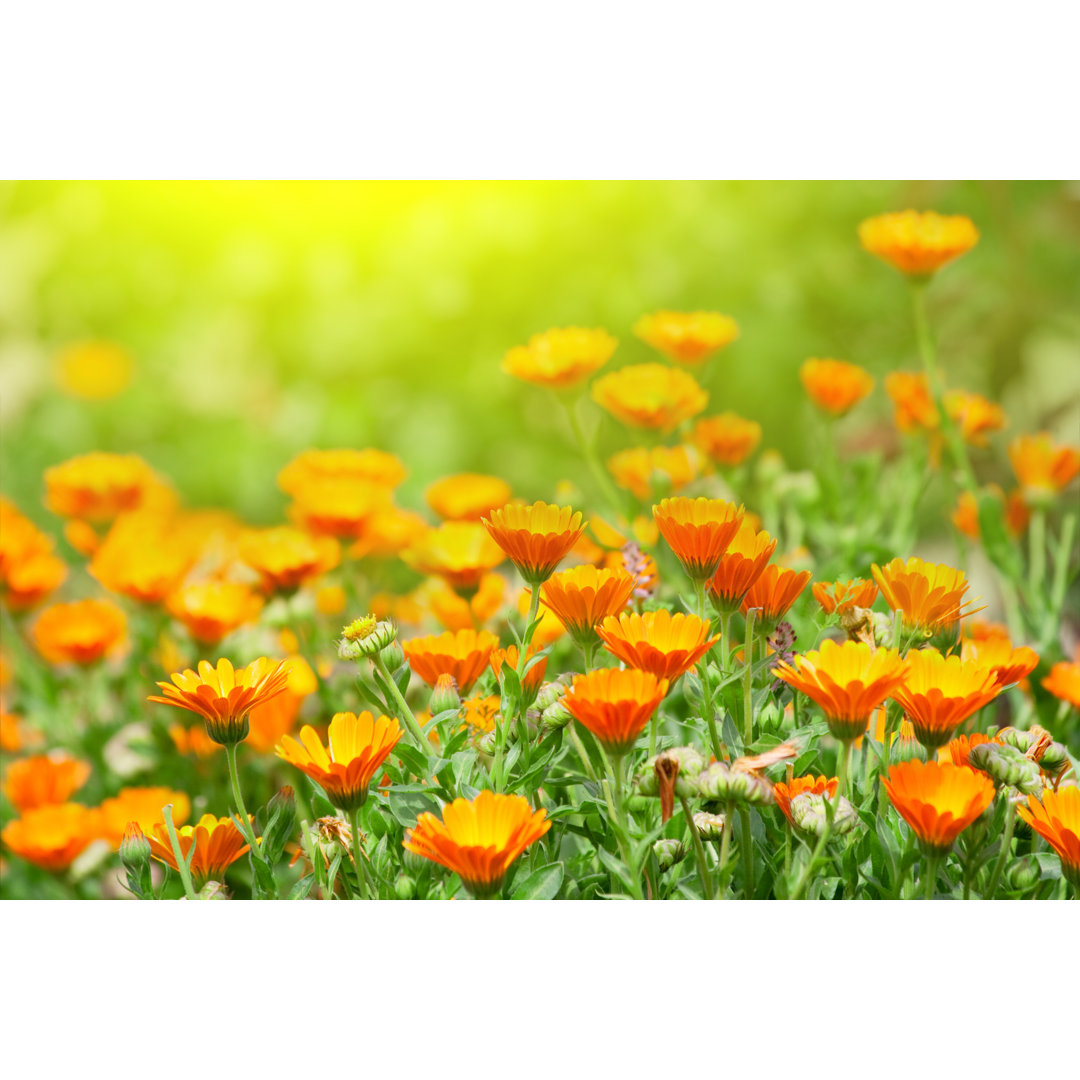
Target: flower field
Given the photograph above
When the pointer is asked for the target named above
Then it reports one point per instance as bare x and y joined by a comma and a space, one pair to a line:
653, 658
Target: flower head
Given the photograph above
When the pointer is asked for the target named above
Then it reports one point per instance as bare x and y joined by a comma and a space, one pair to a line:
536, 538
1043, 467
560, 358
467, 496
338, 506
51, 836
29, 570
835, 386
914, 408
368, 466
687, 337
615, 705
583, 596
1064, 682
650, 396
93, 370
285, 558
478, 840
929, 596
1055, 816
460, 552
773, 593
698, 531
726, 439
357, 747
81, 632
842, 597
938, 800
658, 642
974, 415
741, 565
212, 610
463, 654
918, 244
784, 792
98, 486
640, 470
1009, 665
222, 696
533, 677
218, 844
143, 557
44, 780
142, 805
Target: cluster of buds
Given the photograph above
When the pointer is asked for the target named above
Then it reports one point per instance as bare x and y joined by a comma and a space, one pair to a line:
1038, 745
725, 783
553, 715
674, 772
1007, 767
810, 814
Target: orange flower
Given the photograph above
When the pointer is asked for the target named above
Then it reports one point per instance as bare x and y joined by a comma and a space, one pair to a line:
937, 799
218, 844
941, 693
658, 642
929, 596
340, 506
536, 538
369, 466
463, 654
29, 570
388, 533
974, 415
193, 740
1055, 816
842, 597
638, 470
224, 697
12, 737
698, 531
741, 565
357, 747
143, 557
802, 785
285, 558
272, 719
460, 552
478, 840
650, 396
727, 439
51, 837
615, 705
687, 337
1016, 514
584, 596
467, 496
457, 613
99, 486
848, 681
1064, 682
212, 610
480, 713
560, 358
774, 592
44, 780
1042, 467
914, 407
960, 748
143, 806
1009, 665
330, 600
918, 244
835, 386
93, 370
79, 633
531, 680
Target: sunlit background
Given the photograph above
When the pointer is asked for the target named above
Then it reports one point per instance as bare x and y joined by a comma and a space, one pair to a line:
260, 319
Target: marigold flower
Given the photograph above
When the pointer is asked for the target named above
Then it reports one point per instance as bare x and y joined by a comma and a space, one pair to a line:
929, 596
29, 570
212, 610
341, 506
583, 596
1015, 511
12, 736
389, 532
455, 612
774, 592
687, 337
374, 467
658, 642
1009, 665
784, 792
698, 531
650, 396
640, 469
1064, 682
52, 836
849, 681
143, 557
218, 844
1055, 816
726, 439
93, 370
463, 654
460, 552
467, 496
79, 633
560, 358
914, 408
44, 780
478, 839
974, 415
741, 565
938, 800
357, 747
531, 680
222, 696
481, 712
940, 693
272, 719
615, 705
536, 538
98, 486
960, 748
285, 558
142, 805
835, 386
918, 244
842, 597
1043, 467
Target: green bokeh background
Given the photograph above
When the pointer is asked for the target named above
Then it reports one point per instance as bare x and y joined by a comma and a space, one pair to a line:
265, 318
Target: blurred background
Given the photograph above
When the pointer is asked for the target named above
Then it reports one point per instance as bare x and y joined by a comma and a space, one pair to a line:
260, 319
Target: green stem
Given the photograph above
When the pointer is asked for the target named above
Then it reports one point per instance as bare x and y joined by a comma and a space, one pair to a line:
579, 746
699, 850
619, 822
358, 857
1037, 554
241, 809
588, 451
747, 853
1006, 844
930, 870
748, 681
725, 846
407, 717
842, 773
178, 854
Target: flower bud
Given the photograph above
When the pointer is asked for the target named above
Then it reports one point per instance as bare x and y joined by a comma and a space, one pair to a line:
414, 864
709, 826
135, 857
1055, 759
690, 763
1007, 766
809, 813
365, 637
555, 717
1023, 874
725, 783
393, 656
486, 743
882, 626
280, 824
445, 696
549, 693
405, 887
668, 853
213, 890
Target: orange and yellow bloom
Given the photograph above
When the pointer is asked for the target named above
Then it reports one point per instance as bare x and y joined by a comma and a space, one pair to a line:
658, 642
937, 799
1009, 665
81, 632
785, 791
918, 244
929, 596
740, 566
698, 531
218, 844
561, 358
640, 470
913, 405
44, 780
1043, 467
536, 538
1064, 682
650, 396
835, 386
1055, 816
211, 610
842, 597
726, 439
51, 836
286, 558
460, 552
583, 596
773, 593
141, 805
463, 654
687, 337
615, 706
467, 496
99, 486
973, 415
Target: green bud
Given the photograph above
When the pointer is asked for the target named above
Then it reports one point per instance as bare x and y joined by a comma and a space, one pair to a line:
135, 857
809, 813
709, 826
724, 783
1023, 874
213, 890
445, 696
1019, 740
882, 626
1007, 766
549, 693
668, 853
486, 743
405, 887
691, 764
555, 717
280, 824
1054, 759
393, 656
414, 864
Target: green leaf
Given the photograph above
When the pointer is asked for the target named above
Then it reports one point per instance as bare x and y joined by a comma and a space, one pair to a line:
301, 889
542, 884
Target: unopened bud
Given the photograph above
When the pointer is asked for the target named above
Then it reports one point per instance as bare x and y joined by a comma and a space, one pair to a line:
445, 696
709, 826
486, 743
810, 814
213, 890
1055, 759
555, 717
668, 853
882, 627
393, 656
549, 693
724, 783
414, 864
1023, 874
134, 847
280, 823
404, 887
1006, 765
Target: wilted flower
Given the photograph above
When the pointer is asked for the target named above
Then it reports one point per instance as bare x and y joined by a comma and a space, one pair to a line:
687, 337
650, 396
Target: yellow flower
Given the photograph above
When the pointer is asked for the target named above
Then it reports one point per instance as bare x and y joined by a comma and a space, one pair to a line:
918, 244
467, 496
212, 610
94, 370
687, 337
670, 467
98, 486
560, 358
1043, 467
460, 552
81, 632
650, 396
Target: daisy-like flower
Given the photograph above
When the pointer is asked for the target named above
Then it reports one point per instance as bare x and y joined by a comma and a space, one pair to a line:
339, 506
460, 552
941, 692
1009, 665
1064, 682
480, 713
98, 486
286, 558
785, 791
929, 596
93, 370
222, 696
44, 780
650, 396
835, 386
583, 596
478, 840
913, 406
463, 654
531, 680
698, 531
687, 337
658, 642
467, 496
741, 565
1014, 511
918, 244
1055, 816
79, 633
974, 415
849, 681
270, 720
560, 358
375, 467
218, 844
1043, 467
389, 532
640, 470
457, 613
142, 805
143, 557
842, 597
357, 747
211, 610
727, 439
536, 538
773, 593
615, 706
960, 748
51, 836
937, 799
29, 570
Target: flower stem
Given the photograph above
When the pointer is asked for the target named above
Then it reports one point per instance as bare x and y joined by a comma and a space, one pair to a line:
588, 451
747, 853
725, 846
618, 811
748, 681
181, 862
241, 809
358, 857
1006, 844
931, 875
407, 717
842, 772
1036, 552
699, 850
